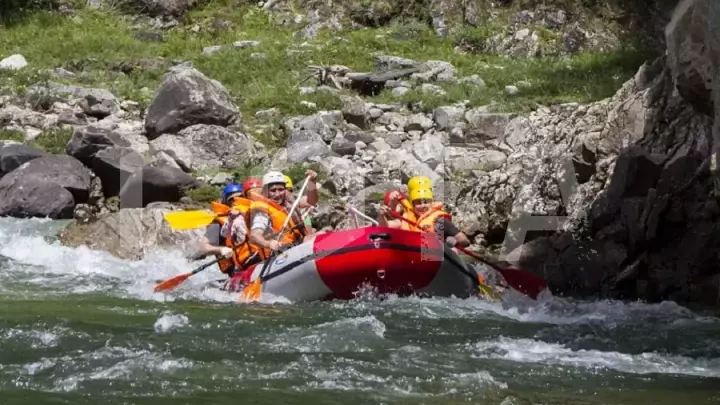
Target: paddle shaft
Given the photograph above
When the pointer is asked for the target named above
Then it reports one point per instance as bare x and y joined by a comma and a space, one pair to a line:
204, 266
266, 265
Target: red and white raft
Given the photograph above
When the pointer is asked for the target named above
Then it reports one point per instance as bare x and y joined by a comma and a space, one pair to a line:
336, 265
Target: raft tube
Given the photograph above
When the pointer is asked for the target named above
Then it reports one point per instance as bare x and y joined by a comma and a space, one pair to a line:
335, 265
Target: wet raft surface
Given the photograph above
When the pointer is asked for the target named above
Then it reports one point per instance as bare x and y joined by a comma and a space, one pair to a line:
78, 327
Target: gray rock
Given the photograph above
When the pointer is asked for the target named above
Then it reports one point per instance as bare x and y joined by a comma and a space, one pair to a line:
86, 142
24, 191
429, 151
13, 156
399, 91
221, 179
13, 62
428, 88
379, 146
165, 8
355, 136
355, 111
692, 58
209, 50
418, 122
346, 176
204, 146
386, 62
70, 117
473, 80
487, 126
94, 102
448, 117
33, 197
131, 234
467, 160
303, 145
160, 158
246, 44
343, 147
187, 97
267, 114
151, 184
114, 166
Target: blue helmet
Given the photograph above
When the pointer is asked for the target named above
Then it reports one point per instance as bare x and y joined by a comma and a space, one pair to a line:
231, 188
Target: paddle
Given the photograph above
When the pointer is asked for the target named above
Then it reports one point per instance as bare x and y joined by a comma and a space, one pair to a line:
523, 281
184, 220
171, 283
252, 291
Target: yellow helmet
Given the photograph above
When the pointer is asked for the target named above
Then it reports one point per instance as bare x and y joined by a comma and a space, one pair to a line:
288, 181
422, 193
418, 182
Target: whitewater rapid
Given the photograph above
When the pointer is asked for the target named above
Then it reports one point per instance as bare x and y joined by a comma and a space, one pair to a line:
399, 346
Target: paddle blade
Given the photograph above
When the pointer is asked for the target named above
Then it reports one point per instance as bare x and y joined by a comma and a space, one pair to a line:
169, 284
523, 281
183, 220
251, 292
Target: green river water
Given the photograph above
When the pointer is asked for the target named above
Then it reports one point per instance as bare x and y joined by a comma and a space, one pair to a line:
81, 327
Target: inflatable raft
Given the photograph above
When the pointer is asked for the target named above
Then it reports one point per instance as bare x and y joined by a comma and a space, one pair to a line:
335, 265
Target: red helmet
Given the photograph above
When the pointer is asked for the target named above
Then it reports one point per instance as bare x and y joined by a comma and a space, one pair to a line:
387, 196
251, 182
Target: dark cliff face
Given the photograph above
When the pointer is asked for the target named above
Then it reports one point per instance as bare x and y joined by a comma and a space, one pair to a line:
654, 232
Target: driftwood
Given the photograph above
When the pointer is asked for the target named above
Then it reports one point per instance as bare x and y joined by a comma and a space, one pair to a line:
373, 83
368, 84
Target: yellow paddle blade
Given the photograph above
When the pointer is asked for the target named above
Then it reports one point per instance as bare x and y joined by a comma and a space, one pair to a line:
487, 291
183, 220
251, 292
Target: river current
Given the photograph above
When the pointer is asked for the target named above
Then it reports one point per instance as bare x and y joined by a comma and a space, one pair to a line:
82, 327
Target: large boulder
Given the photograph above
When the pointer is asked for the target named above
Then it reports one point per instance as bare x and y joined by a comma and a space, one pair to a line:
693, 53
48, 186
86, 142
130, 233
13, 156
305, 144
187, 97
644, 224
114, 166
151, 184
202, 146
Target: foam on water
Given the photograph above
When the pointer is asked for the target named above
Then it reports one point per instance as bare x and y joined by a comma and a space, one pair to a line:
535, 351
47, 267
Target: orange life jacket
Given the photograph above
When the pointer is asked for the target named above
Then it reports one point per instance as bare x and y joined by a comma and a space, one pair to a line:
409, 214
426, 222
242, 251
294, 231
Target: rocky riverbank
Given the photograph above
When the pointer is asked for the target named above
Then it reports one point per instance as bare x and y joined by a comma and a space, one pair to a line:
619, 192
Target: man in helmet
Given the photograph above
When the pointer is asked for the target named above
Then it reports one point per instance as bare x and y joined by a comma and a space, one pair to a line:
426, 216
303, 207
226, 236
266, 218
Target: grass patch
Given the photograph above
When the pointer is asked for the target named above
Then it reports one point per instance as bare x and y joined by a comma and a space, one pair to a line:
205, 193
53, 141
11, 135
104, 51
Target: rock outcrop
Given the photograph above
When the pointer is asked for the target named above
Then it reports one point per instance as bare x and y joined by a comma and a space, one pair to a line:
131, 233
652, 233
48, 186
187, 97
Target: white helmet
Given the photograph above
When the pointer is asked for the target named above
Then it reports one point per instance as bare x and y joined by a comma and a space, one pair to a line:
273, 177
